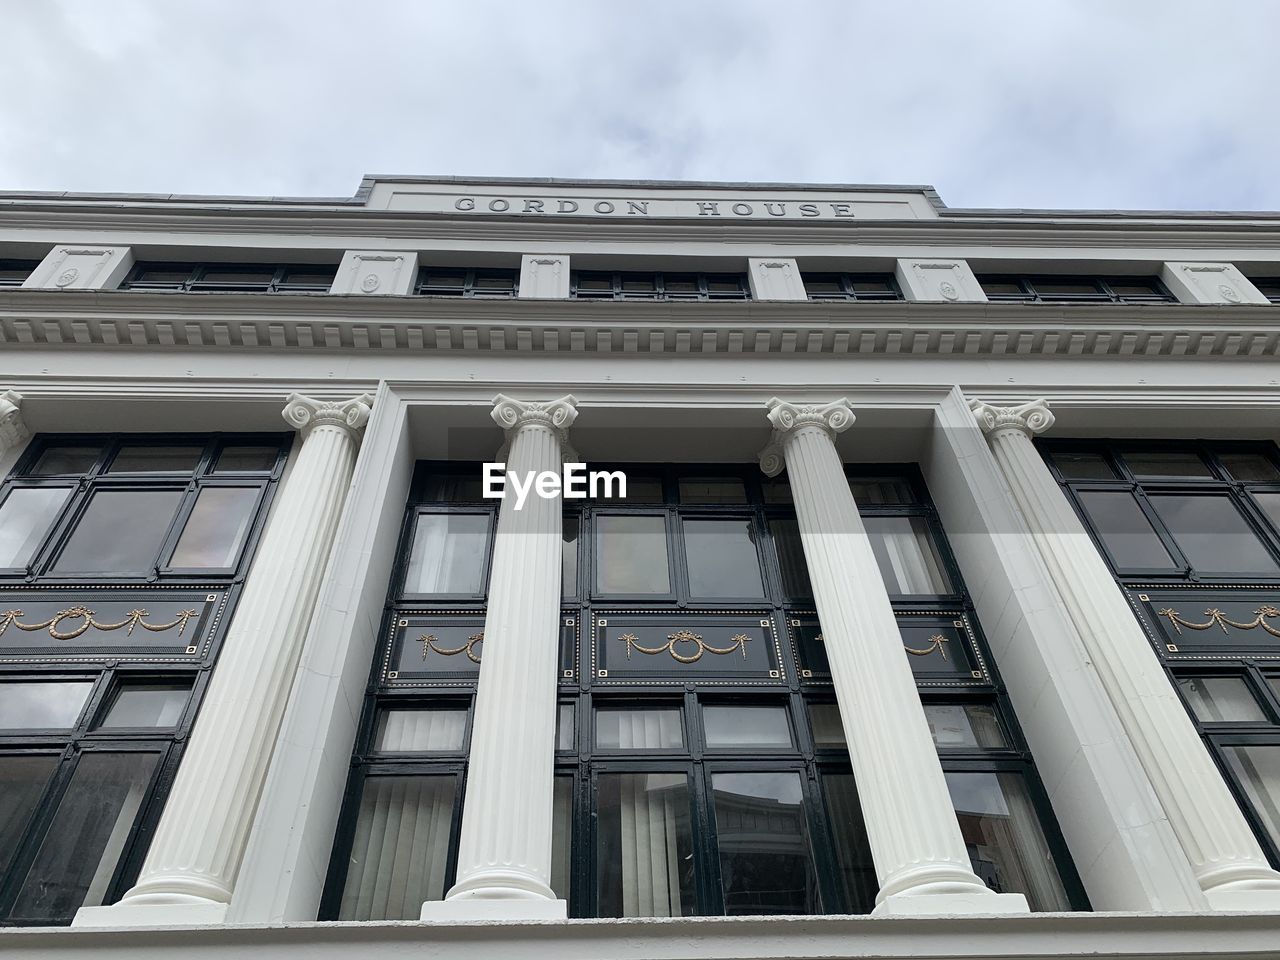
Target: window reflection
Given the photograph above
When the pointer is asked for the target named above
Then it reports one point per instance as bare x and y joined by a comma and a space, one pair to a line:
216, 529
42, 704
1213, 535
25, 519
1125, 530
722, 559
644, 846
120, 532
448, 553
631, 555
147, 705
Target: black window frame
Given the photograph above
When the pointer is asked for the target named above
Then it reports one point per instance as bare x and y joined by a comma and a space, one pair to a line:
1102, 287
618, 279
195, 282
15, 266
468, 288
1269, 287
848, 286
107, 672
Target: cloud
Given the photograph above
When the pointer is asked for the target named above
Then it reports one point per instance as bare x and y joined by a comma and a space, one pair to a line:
1060, 103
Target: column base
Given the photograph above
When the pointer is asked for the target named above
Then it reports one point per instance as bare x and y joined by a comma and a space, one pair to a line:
492, 908
126, 914
1244, 901
951, 905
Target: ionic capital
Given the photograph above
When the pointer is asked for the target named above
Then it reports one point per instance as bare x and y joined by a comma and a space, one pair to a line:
305, 414
1030, 418
12, 429
556, 415
832, 418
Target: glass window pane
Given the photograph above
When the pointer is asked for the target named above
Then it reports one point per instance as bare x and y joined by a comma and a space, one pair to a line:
252, 275
736, 726
59, 461
216, 528
776, 490
713, 490
1135, 288
25, 517
119, 532
644, 846
400, 848
643, 489
22, 783
561, 835
247, 459
144, 459
448, 553
907, 556
1270, 504
960, 725
42, 704
1124, 529
1275, 684
786, 541
631, 555
1001, 288
1213, 535
825, 725
853, 853
87, 838
147, 705
569, 558
1257, 770
1083, 466
722, 558
877, 492
1250, 467
566, 733
453, 488
1166, 464
1065, 288
1002, 832
1221, 699
420, 731
638, 728
766, 865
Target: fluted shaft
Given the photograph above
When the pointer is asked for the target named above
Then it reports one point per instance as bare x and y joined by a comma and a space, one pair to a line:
199, 843
1228, 862
915, 839
505, 849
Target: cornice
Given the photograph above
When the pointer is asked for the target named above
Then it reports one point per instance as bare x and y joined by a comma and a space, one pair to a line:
324, 322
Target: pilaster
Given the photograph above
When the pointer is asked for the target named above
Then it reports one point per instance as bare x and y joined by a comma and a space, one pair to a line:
775, 278
504, 854
939, 280
544, 276
376, 273
919, 853
1229, 865
1220, 283
82, 268
191, 867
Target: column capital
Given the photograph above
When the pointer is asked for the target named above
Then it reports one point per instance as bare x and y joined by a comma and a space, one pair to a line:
557, 415
12, 428
305, 414
1030, 418
834, 417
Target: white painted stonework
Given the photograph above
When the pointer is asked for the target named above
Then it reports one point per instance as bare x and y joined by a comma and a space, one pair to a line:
943, 281
1209, 283
544, 276
775, 278
82, 268
13, 430
375, 273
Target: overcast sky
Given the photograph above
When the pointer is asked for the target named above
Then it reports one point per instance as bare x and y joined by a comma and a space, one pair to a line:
1034, 103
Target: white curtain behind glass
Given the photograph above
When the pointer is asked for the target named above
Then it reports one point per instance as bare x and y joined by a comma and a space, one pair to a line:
904, 551
650, 852
400, 848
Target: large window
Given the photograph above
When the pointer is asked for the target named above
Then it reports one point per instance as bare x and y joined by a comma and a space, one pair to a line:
467, 282
1192, 532
120, 561
612, 285
700, 765
851, 286
14, 272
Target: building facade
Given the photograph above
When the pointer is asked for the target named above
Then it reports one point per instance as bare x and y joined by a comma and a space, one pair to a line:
939, 615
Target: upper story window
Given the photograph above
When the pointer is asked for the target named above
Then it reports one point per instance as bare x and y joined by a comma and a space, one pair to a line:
14, 272
851, 286
467, 282
1052, 289
133, 507
610, 285
231, 278
1269, 287
121, 558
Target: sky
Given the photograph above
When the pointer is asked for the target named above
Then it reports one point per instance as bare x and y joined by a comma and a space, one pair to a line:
1131, 104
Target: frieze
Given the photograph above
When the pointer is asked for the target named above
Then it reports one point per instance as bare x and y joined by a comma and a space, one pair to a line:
1195, 622
631, 646
940, 647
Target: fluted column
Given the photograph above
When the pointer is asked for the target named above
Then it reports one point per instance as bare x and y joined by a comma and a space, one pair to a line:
915, 839
1228, 862
12, 429
504, 856
191, 867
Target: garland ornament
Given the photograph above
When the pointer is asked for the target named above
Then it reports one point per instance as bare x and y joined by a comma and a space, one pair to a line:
86, 617
737, 642
935, 643
429, 641
1261, 615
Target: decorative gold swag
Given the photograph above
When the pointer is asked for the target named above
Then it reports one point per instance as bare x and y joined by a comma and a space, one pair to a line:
1261, 615
429, 643
737, 642
86, 617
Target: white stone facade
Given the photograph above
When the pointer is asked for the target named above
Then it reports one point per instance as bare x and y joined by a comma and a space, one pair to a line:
376, 378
